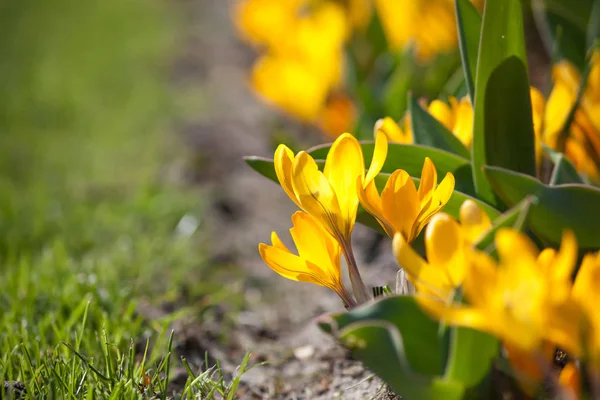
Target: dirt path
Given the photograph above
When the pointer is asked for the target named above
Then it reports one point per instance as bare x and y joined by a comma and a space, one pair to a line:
278, 326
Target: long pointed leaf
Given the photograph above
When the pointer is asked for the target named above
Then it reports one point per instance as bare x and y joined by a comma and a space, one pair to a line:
468, 23
503, 127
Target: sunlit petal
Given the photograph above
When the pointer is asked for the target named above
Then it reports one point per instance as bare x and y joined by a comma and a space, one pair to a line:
400, 202
407, 258
474, 221
284, 161
379, 155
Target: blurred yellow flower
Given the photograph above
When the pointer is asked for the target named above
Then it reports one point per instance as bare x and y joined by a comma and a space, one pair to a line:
303, 60
400, 207
318, 259
430, 25
447, 246
522, 299
338, 115
586, 293
264, 22
581, 145
330, 196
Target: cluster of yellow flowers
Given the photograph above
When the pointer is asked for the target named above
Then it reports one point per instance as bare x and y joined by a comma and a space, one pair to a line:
329, 200
527, 298
302, 61
581, 144
302, 41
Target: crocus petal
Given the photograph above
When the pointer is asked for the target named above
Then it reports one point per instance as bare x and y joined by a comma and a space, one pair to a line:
284, 161
288, 265
428, 180
379, 155
315, 245
400, 203
393, 131
442, 239
371, 202
569, 381
512, 245
316, 194
474, 221
442, 112
437, 201
407, 258
277, 243
343, 165
564, 262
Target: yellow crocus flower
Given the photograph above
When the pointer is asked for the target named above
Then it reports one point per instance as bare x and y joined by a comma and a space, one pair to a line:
582, 143
330, 196
318, 259
400, 207
393, 131
447, 245
265, 22
429, 24
519, 299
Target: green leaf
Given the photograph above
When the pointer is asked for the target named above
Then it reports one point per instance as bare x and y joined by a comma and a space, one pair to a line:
468, 23
471, 355
514, 218
570, 206
424, 348
381, 347
428, 131
411, 157
564, 172
503, 127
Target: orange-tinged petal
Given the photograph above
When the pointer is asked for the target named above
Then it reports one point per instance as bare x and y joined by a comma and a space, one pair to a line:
474, 221
400, 203
284, 161
316, 195
343, 166
437, 201
428, 180
371, 201
569, 381
379, 155
529, 366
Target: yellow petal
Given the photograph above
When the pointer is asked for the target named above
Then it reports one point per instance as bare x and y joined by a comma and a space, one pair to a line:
428, 180
400, 203
343, 166
443, 241
564, 262
436, 203
289, 265
393, 131
463, 125
315, 194
277, 243
441, 111
379, 155
407, 258
474, 221
371, 202
512, 245
316, 245
284, 161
